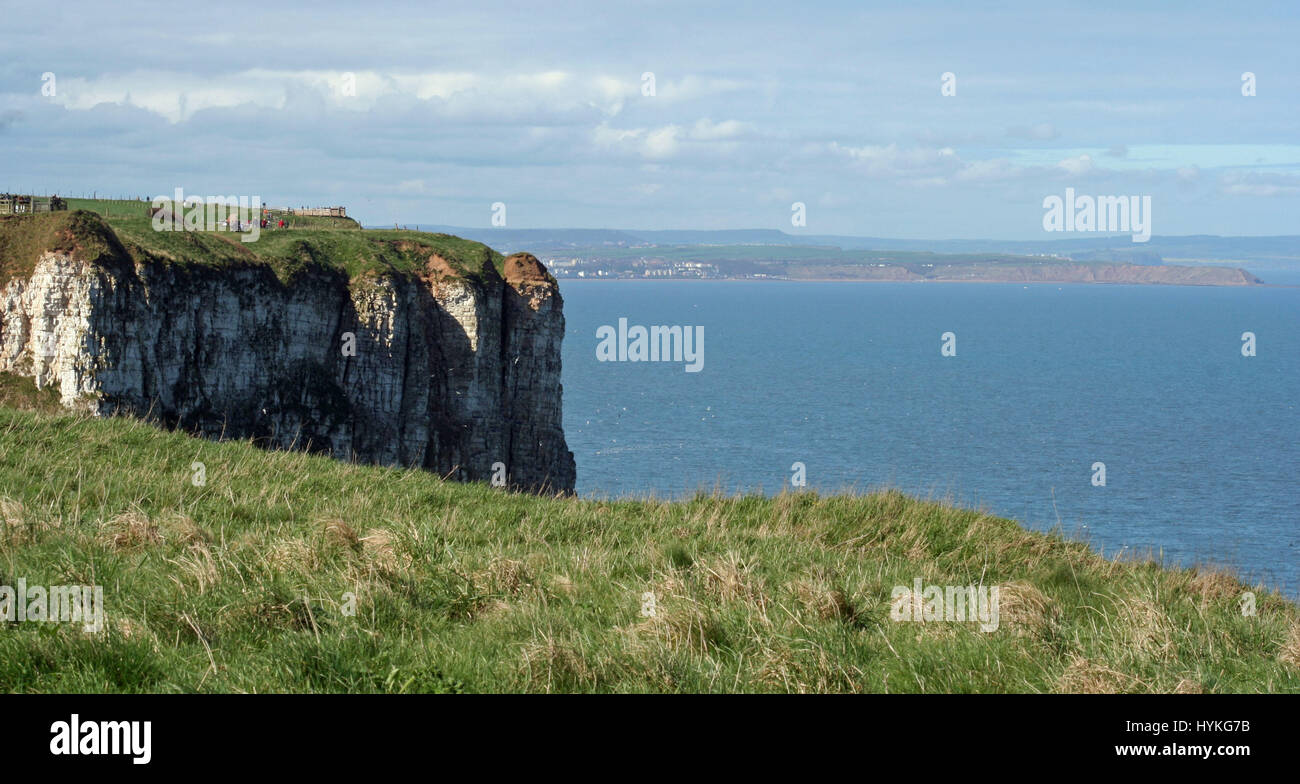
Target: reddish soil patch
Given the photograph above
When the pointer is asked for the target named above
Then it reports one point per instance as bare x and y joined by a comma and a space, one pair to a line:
524, 268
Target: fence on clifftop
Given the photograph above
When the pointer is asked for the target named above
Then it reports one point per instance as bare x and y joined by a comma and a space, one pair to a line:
16, 204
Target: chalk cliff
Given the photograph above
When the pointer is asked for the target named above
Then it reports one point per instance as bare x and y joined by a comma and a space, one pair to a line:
416, 357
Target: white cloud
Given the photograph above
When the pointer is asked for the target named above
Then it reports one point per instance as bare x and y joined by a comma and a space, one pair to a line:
892, 159
661, 143
707, 130
667, 141
177, 96
920, 166
1079, 164
174, 96
605, 136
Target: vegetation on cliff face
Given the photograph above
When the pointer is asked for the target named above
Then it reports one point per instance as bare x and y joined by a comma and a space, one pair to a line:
24, 238
121, 230
288, 572
21, 392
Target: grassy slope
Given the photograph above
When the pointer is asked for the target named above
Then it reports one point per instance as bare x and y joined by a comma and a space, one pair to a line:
92, 225
238, 585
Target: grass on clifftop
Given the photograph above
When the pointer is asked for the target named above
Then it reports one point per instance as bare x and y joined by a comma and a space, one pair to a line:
242, 585
99, 226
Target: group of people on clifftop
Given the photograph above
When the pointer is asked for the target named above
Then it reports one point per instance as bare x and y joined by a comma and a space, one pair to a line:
235, 223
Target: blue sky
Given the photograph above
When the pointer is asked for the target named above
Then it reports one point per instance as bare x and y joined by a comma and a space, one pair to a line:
541, 107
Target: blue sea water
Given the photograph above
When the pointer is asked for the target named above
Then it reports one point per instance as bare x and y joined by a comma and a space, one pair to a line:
1200, 444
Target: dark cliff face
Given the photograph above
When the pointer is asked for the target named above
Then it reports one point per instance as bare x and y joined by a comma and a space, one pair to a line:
456, 374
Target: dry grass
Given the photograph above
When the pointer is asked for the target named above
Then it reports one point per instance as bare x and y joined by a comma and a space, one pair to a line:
1145, 629
178, 528
131, 530
338, 535
1289, 651
733, 578
1212, 586
20, 526
195, 568
1024, 609
679, 623
503, 577
1087, 677
292, 555
557, 664
1189, 686
823, 601
379, 547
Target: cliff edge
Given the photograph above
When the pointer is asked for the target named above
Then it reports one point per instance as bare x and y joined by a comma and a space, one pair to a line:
385, 347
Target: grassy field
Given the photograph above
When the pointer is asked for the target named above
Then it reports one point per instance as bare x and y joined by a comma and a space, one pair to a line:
108, 229
130, 208
288, 572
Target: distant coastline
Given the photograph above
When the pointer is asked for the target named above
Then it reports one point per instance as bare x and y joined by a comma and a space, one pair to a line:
1260, 285
768, 254
1116, 274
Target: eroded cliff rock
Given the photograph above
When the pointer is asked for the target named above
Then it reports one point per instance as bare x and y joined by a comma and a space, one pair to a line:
427, 366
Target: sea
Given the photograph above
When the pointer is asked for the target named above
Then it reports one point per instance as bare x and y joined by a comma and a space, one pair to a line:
1130, 417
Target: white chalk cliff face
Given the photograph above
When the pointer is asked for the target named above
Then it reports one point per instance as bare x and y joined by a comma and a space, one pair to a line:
450, 373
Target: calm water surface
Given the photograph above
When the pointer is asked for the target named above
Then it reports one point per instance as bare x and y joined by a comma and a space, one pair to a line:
1199, 443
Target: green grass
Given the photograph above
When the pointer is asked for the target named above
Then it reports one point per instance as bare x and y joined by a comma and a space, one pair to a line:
122, 231
131, 208
18, 391
24, 238
239, 585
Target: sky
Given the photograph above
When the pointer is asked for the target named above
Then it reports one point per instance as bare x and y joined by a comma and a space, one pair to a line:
433, 113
